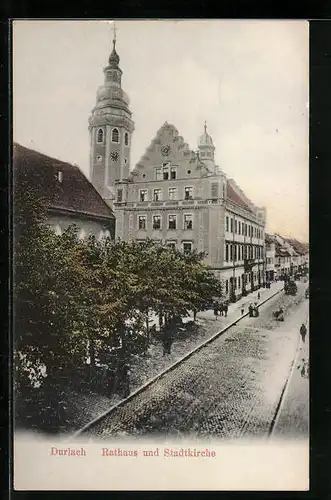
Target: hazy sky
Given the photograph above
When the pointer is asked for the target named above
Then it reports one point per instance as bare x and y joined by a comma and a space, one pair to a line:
247, 79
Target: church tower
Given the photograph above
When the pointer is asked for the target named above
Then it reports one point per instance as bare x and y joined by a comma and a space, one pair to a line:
206, 150
111, 128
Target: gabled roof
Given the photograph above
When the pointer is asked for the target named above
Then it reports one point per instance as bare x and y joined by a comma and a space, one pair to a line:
75, 193
235, 197
299, 247
269, 239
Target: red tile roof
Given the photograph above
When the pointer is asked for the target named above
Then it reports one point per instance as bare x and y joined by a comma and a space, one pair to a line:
75, 193
235, 198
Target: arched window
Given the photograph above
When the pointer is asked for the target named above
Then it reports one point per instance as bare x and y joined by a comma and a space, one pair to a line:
126, 139
115, 136
100, 135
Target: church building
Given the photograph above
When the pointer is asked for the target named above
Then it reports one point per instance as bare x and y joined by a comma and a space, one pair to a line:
174, 195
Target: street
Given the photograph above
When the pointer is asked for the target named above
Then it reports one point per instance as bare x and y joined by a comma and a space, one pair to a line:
229, 389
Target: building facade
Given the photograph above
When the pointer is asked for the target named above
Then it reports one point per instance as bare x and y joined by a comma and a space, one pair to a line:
69, 196
174, 195
270, 258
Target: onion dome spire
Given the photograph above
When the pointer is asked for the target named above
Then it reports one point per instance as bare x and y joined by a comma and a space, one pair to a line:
114, 57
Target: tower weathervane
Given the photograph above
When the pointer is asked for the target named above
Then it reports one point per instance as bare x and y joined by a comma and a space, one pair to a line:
205, 127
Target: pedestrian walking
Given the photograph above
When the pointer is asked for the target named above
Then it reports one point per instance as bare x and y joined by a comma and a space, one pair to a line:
225, 309
250, 310
303, 332
216, 309
258, 296
242, 310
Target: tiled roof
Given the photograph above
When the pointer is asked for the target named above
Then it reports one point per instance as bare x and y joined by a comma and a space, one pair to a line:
75, 193
235, 198
299, 247
268, 239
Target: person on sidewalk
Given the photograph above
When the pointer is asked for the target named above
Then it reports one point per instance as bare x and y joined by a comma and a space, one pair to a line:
303, 332
258, 296
216, 309
242, 309
250, 310
225, 309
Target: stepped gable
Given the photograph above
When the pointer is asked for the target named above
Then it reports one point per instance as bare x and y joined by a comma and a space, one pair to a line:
238, 198
177, 142
75, 193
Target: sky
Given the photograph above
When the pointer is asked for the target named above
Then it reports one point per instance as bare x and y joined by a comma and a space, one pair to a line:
248, 79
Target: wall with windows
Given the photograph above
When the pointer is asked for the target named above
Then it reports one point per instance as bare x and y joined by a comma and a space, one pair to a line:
59, 223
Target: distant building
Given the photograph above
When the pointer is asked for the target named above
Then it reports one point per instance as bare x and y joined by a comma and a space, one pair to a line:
70, 197
285, 256
270, 259
174, 195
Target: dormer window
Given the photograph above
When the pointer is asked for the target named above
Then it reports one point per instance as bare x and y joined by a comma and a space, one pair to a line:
126, 139
115, 136
100, 136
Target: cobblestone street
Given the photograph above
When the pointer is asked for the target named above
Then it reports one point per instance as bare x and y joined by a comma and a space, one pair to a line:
230, 388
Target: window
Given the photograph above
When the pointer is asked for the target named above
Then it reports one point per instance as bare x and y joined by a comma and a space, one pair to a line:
227, 223
100, 135
187, 247
99, 158
172, 193
231, 224
226, 252
115, 136
158, 174
238, 281
126, 139
171, 244
156, 221
188, 221
245, 229
172, 221
157, 195
235, 252
119, 195
143, 194
166, 170
188, 193
173, 172
231, 252
142, 222
235, 226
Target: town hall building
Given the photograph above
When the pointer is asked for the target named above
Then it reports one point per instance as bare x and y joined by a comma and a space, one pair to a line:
174, 195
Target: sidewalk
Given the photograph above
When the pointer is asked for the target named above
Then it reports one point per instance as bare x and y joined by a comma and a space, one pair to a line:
234, 310
293, 419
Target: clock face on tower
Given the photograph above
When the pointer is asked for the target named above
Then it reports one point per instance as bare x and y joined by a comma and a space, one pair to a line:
114, 155
165, 150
